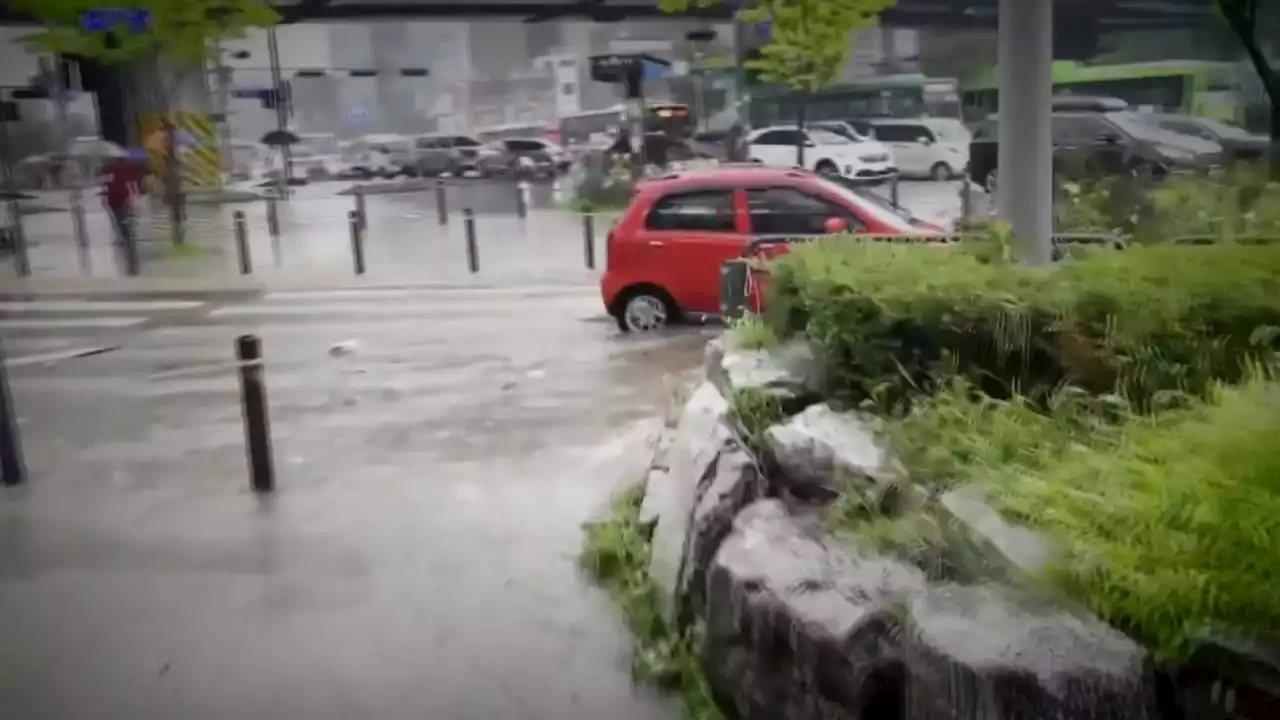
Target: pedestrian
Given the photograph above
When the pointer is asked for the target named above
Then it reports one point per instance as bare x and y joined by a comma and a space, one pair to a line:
122, 179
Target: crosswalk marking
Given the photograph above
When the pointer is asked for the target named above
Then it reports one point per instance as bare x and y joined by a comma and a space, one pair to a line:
452, 291
68, 323
404, 310
96, 305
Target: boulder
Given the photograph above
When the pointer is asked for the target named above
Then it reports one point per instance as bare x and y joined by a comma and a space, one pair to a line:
697, 439
790, 372
736, 481
982, 545
993, 653
822, 453
801, 626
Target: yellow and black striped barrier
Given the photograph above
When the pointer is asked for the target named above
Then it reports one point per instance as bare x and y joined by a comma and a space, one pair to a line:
200, 161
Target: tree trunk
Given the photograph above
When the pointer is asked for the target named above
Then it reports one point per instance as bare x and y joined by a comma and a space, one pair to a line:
802, 110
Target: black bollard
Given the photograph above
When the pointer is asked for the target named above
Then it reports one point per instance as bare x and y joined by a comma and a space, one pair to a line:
253, 401
273, 217
242, 243
473, 252
129, 246
13, 469
442, 203
357, 241
21, 259
364, 217
522, 203
893, 191
966, 198
589, 240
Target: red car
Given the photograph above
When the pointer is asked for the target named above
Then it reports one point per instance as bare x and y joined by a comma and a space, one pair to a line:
665, 254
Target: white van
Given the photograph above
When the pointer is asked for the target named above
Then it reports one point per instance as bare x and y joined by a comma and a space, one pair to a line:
935, 148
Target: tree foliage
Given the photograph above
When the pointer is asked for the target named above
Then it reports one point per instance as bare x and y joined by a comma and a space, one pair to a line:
810, 38
184, 32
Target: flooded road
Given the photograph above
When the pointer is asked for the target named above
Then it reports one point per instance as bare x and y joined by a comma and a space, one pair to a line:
436, 452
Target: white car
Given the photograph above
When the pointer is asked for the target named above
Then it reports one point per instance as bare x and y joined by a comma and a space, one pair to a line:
825, 152
934, 148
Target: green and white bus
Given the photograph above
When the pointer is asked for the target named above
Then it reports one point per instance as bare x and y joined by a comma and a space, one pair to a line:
1193, 87
889, 96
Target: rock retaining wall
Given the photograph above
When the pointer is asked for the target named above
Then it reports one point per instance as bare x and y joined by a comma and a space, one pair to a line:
800, 623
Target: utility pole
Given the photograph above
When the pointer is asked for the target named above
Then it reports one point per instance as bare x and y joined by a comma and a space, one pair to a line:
61, 95
282, 108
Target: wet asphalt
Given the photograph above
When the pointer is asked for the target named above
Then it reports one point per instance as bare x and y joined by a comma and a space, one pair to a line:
436, 453
404, 239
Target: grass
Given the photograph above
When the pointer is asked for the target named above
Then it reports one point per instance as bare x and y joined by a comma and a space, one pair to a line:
616, 556
1167, 523
750, 332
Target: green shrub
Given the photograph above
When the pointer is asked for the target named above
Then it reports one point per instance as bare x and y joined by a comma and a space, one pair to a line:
1171, 528
890, 320
605, 184
616, 555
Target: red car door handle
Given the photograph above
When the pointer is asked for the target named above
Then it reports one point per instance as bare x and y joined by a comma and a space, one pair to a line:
656, 243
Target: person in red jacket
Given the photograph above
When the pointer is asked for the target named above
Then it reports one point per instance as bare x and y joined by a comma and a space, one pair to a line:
122, 178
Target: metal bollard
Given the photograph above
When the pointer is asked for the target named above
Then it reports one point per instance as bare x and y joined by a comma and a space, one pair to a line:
364, 217
357, 241
589, 240
469, 226
442, 203
966, 198
132, 262
893, 191
21, 259
253, 401
13, 469
273, 217
242, 243
522, 199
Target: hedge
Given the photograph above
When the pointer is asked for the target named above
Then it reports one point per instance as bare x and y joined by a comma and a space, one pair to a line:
1168, 526
1150, 323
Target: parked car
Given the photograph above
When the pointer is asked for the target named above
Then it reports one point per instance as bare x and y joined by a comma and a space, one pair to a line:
317, 156
545, 155
1239, 144
934, 148
374, 156
825, 153
665, 253
1098, 144
434, 155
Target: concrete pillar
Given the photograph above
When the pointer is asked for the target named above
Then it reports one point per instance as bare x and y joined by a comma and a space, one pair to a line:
1025, 163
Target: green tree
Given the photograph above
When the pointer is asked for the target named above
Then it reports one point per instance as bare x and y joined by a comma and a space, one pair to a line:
179, 37
1250, 23
809, 43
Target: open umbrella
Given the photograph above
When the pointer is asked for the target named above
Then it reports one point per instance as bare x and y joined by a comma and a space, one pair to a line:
280, 138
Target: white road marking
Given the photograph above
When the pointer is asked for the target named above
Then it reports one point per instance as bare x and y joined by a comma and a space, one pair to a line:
427, 291
65, 323
398, 309
96, 305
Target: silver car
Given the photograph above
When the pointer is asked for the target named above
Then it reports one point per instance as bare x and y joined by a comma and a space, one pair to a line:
434, 155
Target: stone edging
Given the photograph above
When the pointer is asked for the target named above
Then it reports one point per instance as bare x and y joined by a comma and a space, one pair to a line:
800, 623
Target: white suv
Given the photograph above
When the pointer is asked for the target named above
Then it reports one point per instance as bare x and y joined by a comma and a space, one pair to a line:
825, 152
934, 148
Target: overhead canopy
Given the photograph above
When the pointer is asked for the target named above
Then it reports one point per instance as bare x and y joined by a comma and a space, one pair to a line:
1127, 14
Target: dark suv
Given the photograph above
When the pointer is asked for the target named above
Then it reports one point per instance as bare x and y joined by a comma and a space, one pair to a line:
1093, 144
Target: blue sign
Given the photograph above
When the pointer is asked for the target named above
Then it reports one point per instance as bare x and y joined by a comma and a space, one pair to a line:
653, 70
107, 19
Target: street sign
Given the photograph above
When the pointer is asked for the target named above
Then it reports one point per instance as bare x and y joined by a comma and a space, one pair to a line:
108, 19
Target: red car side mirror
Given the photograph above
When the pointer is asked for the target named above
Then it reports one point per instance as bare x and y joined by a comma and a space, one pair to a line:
835, 225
